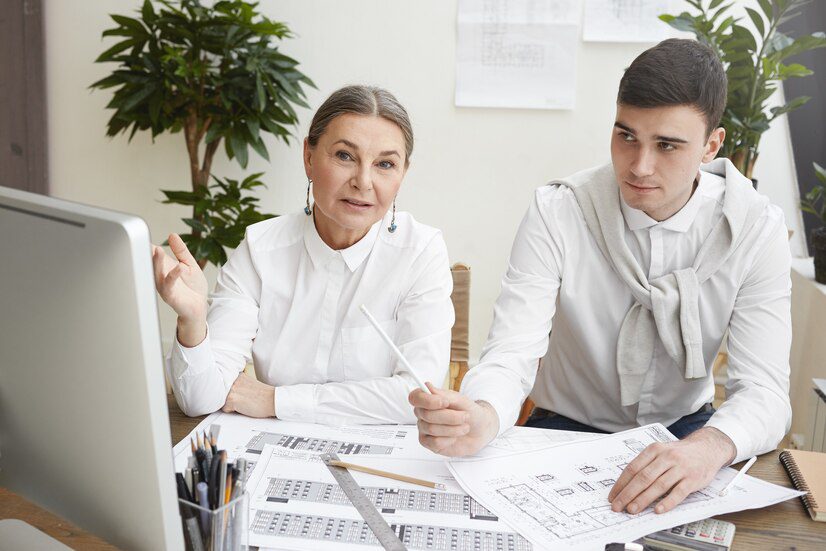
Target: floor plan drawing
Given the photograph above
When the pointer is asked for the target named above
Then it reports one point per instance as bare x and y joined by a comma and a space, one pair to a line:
316, 529
558, 497
385, 499
296, 503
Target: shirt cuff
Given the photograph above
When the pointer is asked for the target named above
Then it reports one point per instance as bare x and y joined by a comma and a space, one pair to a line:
732, 429
502, 407
295, 402
190, 362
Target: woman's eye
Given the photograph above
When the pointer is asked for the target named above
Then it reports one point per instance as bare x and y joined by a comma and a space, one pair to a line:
344, 156
386, 165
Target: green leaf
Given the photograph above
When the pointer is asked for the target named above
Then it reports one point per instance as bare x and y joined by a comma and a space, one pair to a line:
757, 20
766, 6
239, 149
790, 106
820, 172
109, 54
196, 225
714, 4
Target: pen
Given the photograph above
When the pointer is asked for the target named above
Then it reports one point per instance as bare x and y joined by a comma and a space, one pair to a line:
739, 475
203, 501
193, 533
398, 353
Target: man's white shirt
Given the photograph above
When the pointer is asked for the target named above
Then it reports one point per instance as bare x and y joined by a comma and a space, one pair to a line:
291, 304
561, 302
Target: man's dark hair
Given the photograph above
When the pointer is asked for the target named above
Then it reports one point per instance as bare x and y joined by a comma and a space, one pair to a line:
677, 72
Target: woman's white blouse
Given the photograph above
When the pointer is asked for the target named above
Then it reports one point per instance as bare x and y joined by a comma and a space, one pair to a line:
291, 304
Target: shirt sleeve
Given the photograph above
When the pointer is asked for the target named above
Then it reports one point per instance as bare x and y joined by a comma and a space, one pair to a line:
757, 413
423, 321
202, 376
522, 315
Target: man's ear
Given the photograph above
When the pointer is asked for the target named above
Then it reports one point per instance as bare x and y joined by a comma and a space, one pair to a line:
308, 154
714, 143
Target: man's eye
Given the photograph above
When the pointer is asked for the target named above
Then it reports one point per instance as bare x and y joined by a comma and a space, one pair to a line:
665, 146
626, 137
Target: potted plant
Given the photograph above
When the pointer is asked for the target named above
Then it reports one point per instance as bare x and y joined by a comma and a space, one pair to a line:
815, 203
754, 62
213, 73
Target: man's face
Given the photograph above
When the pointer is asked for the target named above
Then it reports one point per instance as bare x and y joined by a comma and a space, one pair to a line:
657, 153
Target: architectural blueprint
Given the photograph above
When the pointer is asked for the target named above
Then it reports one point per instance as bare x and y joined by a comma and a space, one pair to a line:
296, 504
557, 497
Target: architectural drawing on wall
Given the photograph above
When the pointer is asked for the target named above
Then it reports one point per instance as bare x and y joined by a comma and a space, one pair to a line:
385, 499
316, 528
517, 53
625, 21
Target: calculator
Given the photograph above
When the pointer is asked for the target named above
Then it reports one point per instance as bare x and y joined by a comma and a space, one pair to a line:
707, 535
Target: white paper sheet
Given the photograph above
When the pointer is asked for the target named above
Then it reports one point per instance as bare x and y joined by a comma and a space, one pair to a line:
289, 452
557, 497
625, 21
517, 53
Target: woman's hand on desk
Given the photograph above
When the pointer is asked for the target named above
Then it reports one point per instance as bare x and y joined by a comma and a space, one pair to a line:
250, 397
452, 424
183, 286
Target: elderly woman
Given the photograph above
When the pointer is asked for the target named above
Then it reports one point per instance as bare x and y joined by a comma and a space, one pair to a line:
289, 296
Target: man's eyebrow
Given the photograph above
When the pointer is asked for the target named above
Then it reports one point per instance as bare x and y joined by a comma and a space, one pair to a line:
625, 127
630, 130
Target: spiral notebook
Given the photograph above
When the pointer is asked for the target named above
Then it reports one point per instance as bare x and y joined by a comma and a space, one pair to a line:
808, 473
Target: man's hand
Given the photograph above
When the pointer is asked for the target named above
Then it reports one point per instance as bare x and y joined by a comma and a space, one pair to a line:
250, 397
452, 424
673, 468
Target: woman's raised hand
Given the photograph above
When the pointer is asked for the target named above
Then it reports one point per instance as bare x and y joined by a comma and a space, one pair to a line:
181, 282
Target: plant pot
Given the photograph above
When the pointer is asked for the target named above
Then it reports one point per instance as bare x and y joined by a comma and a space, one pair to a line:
819, 251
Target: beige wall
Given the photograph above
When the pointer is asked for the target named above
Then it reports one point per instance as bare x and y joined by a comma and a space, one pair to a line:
473, 170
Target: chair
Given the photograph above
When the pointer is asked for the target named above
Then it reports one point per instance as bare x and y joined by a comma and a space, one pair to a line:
459, 344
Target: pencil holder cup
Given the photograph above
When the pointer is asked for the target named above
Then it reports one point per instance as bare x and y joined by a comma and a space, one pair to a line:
221, 529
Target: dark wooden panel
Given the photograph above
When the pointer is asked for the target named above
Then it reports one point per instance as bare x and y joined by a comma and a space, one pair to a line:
23, 151
808, 124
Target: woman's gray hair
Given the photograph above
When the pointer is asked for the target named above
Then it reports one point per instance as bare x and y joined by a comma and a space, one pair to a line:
362, 100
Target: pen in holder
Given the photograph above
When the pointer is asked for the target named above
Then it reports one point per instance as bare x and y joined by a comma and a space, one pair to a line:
221, 529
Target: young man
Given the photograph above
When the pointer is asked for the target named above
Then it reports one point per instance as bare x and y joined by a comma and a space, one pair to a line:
624, 279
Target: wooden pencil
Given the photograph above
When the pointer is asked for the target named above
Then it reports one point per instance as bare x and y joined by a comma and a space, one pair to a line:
386, 474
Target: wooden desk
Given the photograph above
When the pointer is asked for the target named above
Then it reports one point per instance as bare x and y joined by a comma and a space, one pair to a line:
786, 525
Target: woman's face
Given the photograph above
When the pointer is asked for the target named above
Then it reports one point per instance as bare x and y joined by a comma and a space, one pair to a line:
356, 167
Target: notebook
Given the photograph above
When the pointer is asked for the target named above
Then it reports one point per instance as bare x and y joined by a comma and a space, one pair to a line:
808, 473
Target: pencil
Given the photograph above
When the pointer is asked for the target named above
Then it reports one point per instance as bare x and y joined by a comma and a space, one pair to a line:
385, 474
192, 444
398, 353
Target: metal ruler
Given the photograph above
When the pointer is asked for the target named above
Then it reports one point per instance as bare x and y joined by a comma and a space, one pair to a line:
383, 532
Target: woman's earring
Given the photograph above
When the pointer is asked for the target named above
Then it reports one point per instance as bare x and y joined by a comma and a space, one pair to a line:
307, 210
392, 227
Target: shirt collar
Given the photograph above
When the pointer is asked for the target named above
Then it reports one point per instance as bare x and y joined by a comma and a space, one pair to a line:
353, 256
679, 222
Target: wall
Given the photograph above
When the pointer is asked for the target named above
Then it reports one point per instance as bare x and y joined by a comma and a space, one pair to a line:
473, 171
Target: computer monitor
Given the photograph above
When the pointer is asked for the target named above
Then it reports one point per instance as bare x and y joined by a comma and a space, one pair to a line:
84, 429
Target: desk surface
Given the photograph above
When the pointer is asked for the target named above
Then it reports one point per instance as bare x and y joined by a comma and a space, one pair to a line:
786, 525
